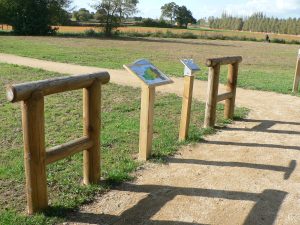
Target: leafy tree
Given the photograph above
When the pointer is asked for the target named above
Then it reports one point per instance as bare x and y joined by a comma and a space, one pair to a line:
169, 10
59, 11
33, 17
111, 13
82, 15
184, 16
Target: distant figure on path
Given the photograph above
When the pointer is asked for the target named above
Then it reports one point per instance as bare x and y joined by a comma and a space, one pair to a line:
268, 38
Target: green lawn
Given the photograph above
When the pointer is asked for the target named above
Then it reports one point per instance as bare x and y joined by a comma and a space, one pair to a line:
268, 67
120, 129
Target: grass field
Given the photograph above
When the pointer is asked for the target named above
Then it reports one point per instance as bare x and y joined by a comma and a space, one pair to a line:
268, 67
206, 32
197, 31
120, 129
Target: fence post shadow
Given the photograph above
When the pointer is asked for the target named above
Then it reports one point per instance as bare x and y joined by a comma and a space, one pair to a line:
265, 210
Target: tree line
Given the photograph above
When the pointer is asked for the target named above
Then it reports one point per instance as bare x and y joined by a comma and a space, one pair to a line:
171, 15
258, 22
36, 17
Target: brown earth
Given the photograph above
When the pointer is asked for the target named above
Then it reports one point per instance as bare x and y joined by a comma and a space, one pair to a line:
245, 174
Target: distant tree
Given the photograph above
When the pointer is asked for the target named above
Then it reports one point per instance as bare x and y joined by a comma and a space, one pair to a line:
184, 16
202, 22
138, 18
4, 13
111, 13
82, 15
169, 11
31, 17
60, 11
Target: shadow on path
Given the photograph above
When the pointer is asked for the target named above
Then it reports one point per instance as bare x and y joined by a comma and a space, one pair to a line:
265, 126
265, 210
287, 170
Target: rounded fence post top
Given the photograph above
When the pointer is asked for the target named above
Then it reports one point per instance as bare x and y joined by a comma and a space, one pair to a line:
10, 93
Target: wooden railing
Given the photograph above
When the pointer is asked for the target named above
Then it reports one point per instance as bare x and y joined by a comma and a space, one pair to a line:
35, 154
213, 88
297, 75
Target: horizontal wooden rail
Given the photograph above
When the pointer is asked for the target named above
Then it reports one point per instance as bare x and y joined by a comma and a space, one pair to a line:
224, 96
62, 151
36, 157
223, 61
21, 92
229, 96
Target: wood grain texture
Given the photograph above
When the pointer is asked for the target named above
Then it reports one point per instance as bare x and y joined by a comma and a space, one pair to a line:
233, 70
212, 94
34, 153
23, 91
66, 150
297, 77
92, 122
146, 122
224, 96
223, 61
186, 107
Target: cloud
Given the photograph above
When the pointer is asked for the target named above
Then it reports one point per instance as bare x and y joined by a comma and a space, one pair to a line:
288, 5
273, 8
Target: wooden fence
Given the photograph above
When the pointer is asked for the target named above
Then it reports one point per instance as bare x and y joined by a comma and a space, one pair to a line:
36, 156
297, 75
213, 88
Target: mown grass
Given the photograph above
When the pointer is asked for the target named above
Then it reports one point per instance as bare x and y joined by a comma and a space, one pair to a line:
63, 113
268, 67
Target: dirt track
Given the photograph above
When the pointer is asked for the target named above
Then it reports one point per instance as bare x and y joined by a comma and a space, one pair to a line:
245, 174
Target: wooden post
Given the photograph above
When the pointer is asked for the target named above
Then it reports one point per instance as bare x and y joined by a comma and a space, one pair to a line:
36, 157
34, 152
211, 103
297, 76
233, 70
92, 122
146, 121
186, 107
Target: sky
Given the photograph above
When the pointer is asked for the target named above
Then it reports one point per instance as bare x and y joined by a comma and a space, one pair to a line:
202, 8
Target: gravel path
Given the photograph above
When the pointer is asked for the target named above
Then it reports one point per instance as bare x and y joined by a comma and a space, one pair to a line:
245, 174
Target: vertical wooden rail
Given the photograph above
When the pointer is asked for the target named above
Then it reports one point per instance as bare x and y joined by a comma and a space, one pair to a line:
233, 70
92, 122
186, 107
34, 152
146, 121
297, 76
211, 103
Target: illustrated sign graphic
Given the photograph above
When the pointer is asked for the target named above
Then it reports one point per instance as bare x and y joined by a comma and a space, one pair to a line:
190, 67
148, 73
